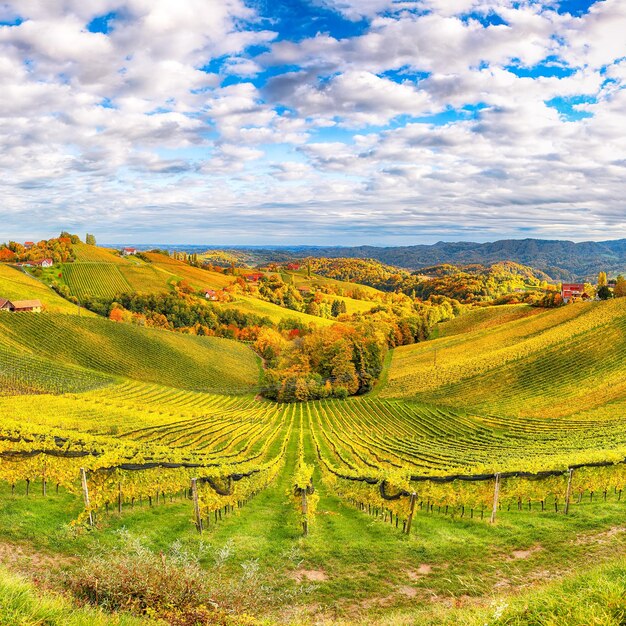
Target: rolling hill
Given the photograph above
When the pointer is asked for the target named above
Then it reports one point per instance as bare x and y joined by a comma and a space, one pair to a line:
17, 285
129, 351
553, 363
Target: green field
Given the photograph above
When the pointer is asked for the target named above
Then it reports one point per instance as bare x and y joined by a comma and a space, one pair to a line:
485, 404
146, 354
94, 279
551, 364
86, 253
17, 285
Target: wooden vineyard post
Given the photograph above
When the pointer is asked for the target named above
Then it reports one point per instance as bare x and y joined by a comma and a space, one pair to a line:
119, 497
496, 496
568, 493
411, 511
83, 479
305, 511
196, 504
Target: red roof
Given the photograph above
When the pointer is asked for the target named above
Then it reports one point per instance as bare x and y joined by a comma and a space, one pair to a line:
572, 289
29, 243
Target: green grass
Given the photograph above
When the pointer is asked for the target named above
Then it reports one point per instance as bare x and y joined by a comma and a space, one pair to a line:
146, 354
17, 285
23, 604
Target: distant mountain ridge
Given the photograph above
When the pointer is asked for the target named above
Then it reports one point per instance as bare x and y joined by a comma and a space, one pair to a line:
562, 260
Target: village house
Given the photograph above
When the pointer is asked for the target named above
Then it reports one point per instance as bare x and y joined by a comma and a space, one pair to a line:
44, 263
128, 251
20, 306
29, 244
210, 294
572, 290
253, 278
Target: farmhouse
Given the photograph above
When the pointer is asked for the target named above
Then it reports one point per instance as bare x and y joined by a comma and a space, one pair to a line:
18, 306
128, 251
253, 278
572, 290
29, 244
210, 294
44, 263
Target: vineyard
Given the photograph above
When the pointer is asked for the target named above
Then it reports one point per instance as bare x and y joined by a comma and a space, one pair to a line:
94, 279
130, 423
185, 361
17, 285
551, 364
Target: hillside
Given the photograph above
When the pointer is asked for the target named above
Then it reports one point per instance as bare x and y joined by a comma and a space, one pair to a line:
558, 362
17, 285
126, 350
486, 317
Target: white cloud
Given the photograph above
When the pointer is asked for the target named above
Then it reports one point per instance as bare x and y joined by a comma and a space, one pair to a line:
119, 130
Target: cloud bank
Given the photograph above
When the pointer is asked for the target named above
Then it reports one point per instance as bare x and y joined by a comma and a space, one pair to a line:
328, 121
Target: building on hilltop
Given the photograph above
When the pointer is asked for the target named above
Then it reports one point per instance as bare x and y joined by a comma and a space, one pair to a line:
29, 244
129, 251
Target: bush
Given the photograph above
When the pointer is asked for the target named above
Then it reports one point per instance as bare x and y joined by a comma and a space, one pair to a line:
137, 579
170, 585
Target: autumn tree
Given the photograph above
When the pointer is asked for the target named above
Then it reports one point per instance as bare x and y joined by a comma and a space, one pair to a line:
619, 290
602, 280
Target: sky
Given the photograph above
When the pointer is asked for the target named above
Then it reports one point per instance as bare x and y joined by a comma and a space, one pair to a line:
320, 122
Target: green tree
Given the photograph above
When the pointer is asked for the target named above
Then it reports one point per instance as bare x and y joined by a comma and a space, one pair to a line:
90, 239
604, 293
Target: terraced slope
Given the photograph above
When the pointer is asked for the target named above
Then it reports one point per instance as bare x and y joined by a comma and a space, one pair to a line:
177, 360
95, 279
486, 318
94, 254
555, 363
17, 285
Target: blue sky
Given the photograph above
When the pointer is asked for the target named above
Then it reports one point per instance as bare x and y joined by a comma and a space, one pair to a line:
313, 121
